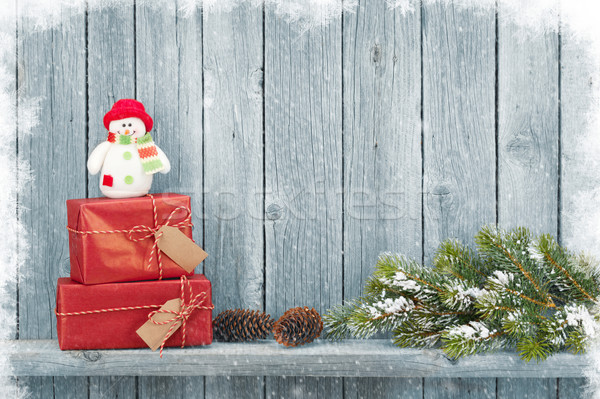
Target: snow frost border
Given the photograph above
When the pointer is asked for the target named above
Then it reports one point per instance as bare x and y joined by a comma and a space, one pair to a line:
578, 21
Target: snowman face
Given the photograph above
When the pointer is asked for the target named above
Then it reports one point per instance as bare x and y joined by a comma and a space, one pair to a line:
133, 127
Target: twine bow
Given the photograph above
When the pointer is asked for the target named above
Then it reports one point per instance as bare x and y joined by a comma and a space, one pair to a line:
185, 310
150, 231
153, 232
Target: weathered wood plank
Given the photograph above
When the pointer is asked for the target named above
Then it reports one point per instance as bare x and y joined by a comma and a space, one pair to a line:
111, 76
69, 388
527, 127
382, 152
170, 387
458, 111
458, 140
233, 164
303, 166
112, 387
352, 358
304, 387
405, 388
459, 388
527, 147
513, 388
53, 65
579, 78
382, 138
169, 83
578, 86
235, 387
571, 388
303, 175
233, 161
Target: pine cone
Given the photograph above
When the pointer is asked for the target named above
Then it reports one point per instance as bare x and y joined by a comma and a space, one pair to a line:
242, 325
298, 326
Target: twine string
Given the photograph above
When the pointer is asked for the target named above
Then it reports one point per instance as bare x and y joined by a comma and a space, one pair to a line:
149, 231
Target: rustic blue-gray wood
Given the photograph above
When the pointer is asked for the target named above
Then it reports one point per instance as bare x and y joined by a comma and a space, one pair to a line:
578, 78
351, 358
303, 179
306, 155
233, 171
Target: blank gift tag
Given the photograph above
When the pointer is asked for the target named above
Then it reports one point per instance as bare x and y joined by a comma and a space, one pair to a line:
180, 248
154, 334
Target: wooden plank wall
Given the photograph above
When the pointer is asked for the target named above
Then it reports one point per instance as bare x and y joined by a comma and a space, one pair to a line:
306, 155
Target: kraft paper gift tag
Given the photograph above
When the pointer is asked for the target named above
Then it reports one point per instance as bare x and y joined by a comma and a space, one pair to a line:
180, 248
154, 334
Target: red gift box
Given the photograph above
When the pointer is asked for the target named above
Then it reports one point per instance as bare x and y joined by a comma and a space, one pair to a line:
111, 328
112, 240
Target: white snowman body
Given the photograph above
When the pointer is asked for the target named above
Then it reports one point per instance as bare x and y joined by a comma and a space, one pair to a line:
122, 174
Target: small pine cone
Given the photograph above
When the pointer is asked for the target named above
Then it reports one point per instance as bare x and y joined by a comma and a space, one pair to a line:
241, 325
298, 326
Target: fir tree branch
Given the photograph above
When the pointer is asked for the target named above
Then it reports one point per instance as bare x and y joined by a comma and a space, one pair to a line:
423, 282
454, 307
566, 274
549, 304
519, 265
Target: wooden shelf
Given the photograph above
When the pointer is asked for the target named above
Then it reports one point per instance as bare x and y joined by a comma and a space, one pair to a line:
369, 358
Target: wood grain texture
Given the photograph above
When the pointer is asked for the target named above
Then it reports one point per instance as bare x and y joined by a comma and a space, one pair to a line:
459, 388
382, 138
513, 388
233, 165
578, 86
458, 112
303, 166
579, 79
458, 141
111, 76
401, 388
303, 176
233, 128
235, 387
527, 128
112, 387
69, 388
528, 137
169, 83
53, 67
170, 387
572, 388
304, 387
351, 358
382, 153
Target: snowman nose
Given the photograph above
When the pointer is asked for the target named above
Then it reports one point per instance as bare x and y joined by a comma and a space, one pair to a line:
126, 132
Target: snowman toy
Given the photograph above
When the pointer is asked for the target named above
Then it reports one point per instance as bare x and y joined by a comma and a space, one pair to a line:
128, 158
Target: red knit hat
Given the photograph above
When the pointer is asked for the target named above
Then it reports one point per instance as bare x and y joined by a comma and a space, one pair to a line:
128, 108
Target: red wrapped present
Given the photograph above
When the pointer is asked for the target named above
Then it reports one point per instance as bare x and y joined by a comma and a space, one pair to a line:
114, 240
107, 316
